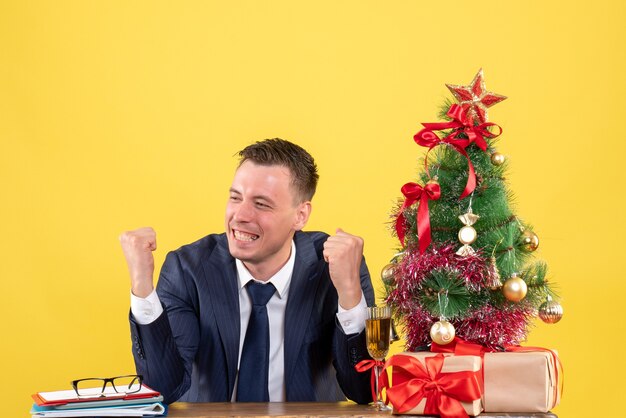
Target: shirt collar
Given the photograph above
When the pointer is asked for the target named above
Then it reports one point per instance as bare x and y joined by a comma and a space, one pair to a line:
280, 280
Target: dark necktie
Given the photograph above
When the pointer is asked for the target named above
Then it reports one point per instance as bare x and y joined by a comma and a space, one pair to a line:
254, 364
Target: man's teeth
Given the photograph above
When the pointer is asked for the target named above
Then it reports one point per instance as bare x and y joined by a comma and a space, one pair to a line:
243, 236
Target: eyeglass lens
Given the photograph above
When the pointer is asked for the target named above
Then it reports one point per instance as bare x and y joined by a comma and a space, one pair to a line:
112, 386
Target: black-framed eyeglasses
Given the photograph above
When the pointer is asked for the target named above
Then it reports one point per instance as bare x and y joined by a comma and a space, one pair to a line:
94, 387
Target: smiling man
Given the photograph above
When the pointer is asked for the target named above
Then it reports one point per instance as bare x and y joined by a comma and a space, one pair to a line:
262, 312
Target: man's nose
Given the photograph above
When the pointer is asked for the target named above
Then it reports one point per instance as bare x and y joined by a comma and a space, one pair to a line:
243, 212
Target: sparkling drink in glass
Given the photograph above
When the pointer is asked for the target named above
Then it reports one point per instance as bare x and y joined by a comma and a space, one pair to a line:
378, 336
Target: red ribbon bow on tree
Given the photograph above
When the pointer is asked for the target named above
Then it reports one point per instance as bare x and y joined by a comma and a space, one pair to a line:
444, 392
462, 124
412, 193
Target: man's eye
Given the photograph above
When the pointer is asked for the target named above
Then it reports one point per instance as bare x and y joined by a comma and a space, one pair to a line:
262, 205
234, 198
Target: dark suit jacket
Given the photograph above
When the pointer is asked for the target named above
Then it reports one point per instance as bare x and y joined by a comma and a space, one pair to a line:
190, 352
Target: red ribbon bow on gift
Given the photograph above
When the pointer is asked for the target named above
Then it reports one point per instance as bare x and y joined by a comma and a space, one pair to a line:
444, 392
412, 193
462, 124
365, 365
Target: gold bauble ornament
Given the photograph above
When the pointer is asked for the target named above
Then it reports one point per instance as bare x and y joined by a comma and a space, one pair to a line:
550, 311
388, 274
497, 158
434, 180
442, 332
514, 288
530, 240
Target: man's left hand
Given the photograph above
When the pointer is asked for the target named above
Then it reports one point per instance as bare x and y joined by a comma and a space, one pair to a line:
343, 252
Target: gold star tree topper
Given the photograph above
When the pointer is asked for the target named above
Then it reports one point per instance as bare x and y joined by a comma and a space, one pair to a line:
476, 96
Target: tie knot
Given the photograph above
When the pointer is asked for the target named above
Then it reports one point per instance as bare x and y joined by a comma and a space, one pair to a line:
260, 293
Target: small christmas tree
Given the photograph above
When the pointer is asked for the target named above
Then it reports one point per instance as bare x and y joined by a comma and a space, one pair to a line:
484, 289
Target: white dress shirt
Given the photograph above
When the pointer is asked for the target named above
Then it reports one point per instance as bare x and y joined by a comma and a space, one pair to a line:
146, 310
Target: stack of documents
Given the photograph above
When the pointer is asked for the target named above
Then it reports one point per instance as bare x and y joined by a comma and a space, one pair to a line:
66, 403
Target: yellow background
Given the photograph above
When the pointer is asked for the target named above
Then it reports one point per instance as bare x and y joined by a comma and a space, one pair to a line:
116, 115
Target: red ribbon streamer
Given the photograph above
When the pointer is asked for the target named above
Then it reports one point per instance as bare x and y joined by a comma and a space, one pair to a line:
412, 193
423, 138
460, 347
444, 392
462, 123
365, 365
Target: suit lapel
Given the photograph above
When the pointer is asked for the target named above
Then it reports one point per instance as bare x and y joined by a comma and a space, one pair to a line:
221, 275
300, 303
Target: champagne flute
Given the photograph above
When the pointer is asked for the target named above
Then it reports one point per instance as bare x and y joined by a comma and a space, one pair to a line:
378, 336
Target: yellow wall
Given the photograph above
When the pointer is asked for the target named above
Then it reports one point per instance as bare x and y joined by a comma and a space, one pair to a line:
116, 114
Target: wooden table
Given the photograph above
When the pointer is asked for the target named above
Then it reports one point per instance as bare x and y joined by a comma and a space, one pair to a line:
295, 410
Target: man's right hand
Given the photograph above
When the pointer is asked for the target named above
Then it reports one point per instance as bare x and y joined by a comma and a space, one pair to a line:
138, 246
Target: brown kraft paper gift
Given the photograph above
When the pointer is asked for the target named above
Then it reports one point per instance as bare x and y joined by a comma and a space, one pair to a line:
521, 381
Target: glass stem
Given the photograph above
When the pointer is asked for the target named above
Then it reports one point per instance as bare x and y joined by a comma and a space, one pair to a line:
379, 398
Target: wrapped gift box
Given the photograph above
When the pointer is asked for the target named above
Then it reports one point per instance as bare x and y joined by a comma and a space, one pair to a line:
451, 364
521, 381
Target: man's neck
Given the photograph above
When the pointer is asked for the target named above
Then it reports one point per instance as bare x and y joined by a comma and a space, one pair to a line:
266, 270
263, 273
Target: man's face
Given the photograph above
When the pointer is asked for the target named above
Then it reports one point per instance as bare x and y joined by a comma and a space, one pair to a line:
261, 217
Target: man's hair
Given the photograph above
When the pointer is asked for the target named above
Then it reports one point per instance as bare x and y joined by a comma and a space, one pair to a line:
277, 151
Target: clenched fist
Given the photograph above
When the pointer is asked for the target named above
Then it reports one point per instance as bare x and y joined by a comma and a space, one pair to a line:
138, 246
343, 252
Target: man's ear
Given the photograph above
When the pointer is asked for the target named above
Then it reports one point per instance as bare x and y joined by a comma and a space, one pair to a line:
302, 215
